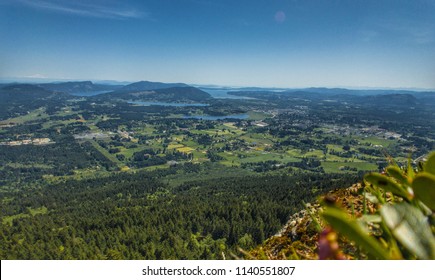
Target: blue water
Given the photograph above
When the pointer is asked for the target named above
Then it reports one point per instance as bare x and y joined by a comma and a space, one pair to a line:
173, 104
218, 93
222, 94
216, 118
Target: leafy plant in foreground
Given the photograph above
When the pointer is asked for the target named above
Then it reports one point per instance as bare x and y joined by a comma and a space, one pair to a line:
401, 220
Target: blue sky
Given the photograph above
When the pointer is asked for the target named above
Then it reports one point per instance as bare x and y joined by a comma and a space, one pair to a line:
278, 43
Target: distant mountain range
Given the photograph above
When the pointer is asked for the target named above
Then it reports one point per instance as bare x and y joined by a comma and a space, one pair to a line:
79, 87
18, 99
143, 90
367, 97
156, 91
181, 92
168, 94
25, 92
147, 85
336, 91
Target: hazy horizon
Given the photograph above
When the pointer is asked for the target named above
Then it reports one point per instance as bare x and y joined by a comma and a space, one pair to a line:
283, 44
118, 82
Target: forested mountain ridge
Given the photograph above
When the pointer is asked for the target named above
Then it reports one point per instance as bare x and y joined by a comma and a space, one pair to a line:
393, 98
78, 87
165, 94
19, 99
23, 91
147, 85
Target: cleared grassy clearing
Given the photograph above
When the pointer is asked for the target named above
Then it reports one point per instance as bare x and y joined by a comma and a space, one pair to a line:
257, 116
185, 149
337, 148
211, 171
330, 157
22, 165
258, 139
108, 155
34, 115
175, 146
145, 130
376, 141
199, 156
294, 153
128, 152
231, 126
334, 167
32, 212
315, 153
256, 156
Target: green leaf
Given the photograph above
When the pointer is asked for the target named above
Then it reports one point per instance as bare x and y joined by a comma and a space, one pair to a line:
410, 172
354, 231
371, 218
373, 194
397, 174
430, 164
387, 184
424, 189
411, 228
313, 218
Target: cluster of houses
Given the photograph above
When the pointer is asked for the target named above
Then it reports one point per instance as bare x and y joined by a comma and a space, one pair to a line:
35, 141
365, 131
374, 130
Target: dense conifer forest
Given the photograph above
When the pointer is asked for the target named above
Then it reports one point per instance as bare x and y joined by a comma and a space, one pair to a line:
140, 217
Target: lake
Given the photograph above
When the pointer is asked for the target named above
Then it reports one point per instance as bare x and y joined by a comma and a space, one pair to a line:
220, 93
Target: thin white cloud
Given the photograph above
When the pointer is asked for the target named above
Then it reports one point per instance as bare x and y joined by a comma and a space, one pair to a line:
405, 30
412, 31
36, 76
80, 8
